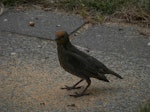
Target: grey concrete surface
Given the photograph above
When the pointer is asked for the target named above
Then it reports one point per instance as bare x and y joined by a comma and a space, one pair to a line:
31, 78
46, 23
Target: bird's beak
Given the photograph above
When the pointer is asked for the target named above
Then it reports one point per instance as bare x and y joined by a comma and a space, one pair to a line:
54, 39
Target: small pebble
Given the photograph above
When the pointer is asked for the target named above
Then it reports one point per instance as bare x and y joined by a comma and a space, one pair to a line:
31, 23
13, 53
58, 25
42, 103
39, 46
71, 105
5, 20
148, 44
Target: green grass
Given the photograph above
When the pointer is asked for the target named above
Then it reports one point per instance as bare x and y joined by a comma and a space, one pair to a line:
131, 11
104, 6
145, 108
15, 2
12, 2
148, 6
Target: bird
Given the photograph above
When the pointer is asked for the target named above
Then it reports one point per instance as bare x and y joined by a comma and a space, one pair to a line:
79, 63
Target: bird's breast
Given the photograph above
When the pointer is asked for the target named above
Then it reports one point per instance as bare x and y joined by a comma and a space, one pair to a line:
62, 56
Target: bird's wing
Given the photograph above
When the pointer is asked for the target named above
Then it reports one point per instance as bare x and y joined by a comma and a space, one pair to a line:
94, 66
98, 66
77, 51
80, 65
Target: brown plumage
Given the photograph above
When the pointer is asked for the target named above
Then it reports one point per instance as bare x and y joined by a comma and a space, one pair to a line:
79, 63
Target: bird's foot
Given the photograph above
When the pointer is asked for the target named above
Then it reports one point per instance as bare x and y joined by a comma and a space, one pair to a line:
72, 87
76, 95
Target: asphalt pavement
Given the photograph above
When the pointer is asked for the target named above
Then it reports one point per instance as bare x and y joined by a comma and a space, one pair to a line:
31, 77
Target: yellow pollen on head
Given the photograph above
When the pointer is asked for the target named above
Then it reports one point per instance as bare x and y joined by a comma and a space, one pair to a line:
60, 34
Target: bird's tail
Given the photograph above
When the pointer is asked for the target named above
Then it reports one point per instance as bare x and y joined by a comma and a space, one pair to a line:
115, 74
101, 77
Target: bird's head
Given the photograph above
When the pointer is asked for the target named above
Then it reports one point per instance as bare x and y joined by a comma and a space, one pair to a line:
62, 37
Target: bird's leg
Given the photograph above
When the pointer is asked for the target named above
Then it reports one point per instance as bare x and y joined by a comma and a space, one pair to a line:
83, 92
74, 86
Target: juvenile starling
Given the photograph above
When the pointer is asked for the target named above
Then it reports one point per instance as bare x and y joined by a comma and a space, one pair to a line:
79, 63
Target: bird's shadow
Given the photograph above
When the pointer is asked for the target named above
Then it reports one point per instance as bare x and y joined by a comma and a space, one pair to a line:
96, 91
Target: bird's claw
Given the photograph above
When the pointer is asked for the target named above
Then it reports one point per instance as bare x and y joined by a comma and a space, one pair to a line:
70, 88
76, 95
